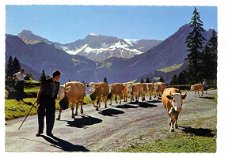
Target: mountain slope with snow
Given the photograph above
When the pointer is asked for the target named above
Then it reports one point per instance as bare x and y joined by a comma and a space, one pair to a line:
100, 47
95, 46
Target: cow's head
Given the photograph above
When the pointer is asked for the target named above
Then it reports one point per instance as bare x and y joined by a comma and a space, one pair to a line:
92, 86
176, 100
61, 93
192, 88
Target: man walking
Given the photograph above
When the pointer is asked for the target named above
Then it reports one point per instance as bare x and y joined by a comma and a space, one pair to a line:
46, 101
19, 87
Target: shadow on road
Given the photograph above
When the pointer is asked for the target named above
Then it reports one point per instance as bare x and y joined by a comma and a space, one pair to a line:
198, 131
84, 121
110, 112
126, 106
64, 145
146, 105
207, 97
154, 101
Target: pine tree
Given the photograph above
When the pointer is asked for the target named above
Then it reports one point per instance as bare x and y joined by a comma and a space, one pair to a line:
147, 80
210, 58
42, 77
183, 78
16, 65
174, 80
195, 41
142, 80
9, 69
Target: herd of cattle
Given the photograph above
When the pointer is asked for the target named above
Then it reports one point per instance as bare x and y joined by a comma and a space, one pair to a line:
172, 98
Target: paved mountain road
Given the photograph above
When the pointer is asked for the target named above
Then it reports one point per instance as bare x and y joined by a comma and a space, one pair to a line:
108, 129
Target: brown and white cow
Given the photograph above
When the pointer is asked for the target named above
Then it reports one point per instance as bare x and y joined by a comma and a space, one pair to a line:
198, 88
75, 93
99, 91
159, 88
117, 91
172, 100
136, 90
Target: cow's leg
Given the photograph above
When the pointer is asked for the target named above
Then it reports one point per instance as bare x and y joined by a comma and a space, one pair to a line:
60, 111
155, 94
121, 97
125, 98
76, 111
143, 97
172, 126
116, 99
175, 123
81, 107
176, 126
72, 109
105, 101
98, 102
110, 101
132, 97
138, 96
171, 122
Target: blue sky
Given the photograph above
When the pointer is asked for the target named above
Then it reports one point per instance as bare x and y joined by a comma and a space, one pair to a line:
67, 23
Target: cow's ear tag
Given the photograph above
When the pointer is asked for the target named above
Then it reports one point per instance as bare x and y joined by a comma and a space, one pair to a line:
169, 97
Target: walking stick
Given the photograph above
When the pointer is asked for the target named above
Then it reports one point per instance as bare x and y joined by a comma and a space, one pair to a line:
27, 115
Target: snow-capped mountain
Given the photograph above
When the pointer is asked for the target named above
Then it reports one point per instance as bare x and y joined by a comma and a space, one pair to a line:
100, 47
95, 46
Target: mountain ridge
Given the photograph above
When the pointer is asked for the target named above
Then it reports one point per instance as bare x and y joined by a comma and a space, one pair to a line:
95, 46
45, 56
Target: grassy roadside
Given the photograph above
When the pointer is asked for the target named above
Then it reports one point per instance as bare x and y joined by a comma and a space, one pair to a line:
186, 139
177, 144
14, 109
197, 132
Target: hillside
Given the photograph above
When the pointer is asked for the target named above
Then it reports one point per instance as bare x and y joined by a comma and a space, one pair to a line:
169, 52
166, 73
40, 55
